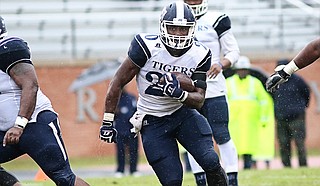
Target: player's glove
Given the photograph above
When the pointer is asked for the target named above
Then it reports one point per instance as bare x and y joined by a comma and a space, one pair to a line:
171, 87
107, 131
276, 79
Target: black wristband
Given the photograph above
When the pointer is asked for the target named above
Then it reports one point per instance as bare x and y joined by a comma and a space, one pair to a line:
107, 123
200, 84
283, 74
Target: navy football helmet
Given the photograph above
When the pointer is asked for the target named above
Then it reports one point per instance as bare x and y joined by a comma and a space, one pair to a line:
181, 15
3, 30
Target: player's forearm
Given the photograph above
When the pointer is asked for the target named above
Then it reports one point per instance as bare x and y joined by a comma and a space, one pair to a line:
230, 58
230, 50
225, 63
28, 101
112, 97
309, 54
122, 77
195, 100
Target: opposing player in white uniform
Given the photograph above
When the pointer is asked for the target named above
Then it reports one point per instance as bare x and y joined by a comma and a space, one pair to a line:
214, 30
167, 110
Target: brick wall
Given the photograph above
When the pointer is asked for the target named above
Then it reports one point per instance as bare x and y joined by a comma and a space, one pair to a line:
81, 139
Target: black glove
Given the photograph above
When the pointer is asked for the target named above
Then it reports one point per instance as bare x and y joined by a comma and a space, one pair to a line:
171, 87
107, 131
276, 79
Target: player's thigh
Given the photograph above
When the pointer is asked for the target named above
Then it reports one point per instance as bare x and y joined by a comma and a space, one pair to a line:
157, 138
194, 130
196, 137
42, 141
161, 149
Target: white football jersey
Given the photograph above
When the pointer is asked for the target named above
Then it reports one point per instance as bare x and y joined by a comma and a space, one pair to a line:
14, 50
148, 52
214, 30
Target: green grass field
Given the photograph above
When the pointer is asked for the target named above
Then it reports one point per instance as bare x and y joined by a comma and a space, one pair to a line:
283, 177
279, 177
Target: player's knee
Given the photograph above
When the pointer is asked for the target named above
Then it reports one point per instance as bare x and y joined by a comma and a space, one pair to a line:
222, 137
65, 180
210, 162
62, 175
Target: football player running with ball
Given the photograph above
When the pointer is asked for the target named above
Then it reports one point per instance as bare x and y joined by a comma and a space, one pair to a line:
214, 30
166, 112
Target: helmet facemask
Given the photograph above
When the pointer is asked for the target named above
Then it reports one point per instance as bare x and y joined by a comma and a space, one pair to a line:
177, 41
200, 9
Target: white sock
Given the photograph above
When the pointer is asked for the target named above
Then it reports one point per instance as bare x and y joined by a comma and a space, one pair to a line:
195, 167
229, 156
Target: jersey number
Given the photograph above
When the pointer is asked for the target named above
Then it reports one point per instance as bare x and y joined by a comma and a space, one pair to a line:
154, 89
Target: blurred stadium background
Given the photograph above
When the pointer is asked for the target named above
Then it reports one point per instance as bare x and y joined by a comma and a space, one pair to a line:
75, 31
68, 36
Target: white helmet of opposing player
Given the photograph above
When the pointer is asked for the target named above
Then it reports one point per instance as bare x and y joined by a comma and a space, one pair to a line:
199, 9
3, 30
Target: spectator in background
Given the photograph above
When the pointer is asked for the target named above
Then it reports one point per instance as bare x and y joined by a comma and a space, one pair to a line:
266, 135
247, 102
290, 103
127, 142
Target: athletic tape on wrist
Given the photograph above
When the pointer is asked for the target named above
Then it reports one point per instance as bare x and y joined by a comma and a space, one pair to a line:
290, 68
108, 116
21, 122
184, 96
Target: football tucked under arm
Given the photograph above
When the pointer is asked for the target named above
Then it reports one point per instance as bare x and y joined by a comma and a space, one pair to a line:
186, 83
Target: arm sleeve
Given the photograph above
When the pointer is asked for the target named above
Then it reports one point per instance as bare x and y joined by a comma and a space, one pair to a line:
229, 47
14, 51
228, 43
138, 51
202, 68
222, 25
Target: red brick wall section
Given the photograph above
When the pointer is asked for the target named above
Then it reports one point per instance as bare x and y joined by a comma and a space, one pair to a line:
81, 139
